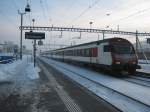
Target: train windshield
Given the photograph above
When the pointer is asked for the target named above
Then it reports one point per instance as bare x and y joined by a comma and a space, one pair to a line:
123, 49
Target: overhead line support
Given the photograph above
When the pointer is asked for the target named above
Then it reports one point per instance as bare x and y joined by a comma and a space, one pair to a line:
70, 29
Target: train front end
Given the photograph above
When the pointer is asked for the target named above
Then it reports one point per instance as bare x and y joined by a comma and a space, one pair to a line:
124, 57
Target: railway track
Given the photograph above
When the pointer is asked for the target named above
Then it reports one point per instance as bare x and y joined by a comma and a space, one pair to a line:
138, 80
142, 75
108, 94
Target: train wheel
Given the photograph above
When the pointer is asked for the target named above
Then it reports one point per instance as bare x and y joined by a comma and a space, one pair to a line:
132, 71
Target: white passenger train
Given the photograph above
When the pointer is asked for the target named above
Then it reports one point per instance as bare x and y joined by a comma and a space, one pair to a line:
114, 54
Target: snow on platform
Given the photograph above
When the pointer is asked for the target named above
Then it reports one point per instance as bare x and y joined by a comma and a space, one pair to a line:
10, 71
7, 70
32, 72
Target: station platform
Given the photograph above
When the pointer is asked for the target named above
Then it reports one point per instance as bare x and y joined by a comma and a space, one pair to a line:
39, 89
26, 89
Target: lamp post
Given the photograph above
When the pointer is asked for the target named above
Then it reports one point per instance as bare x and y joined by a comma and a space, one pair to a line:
27, 9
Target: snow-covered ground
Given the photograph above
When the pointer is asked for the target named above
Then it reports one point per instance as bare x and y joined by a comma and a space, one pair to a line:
10, 70
32, 72
144, 61
134, 91
145, 67
23, 90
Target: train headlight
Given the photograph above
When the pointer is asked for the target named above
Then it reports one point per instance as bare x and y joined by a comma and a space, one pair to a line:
117, 62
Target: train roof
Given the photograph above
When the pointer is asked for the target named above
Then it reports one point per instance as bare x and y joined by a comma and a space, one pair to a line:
94, 42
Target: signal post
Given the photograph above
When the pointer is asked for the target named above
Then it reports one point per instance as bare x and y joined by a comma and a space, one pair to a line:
34, 36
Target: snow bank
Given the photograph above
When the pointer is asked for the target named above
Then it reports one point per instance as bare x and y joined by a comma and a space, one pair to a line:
32, 72
4, 77
10, 71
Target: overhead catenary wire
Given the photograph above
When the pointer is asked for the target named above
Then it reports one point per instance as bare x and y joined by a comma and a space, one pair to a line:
86, 10
30, 18
47, 10
136, 13
129, 16
46, 5
30, 13
43, 10
71, 5
110, 12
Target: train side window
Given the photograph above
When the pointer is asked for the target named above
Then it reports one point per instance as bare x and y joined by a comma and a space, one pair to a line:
75, 53
87, 52
106, 48
71, 52
81, 52
78, 52
65, 53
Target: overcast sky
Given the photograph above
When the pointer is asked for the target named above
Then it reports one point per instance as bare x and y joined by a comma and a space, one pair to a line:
128, 14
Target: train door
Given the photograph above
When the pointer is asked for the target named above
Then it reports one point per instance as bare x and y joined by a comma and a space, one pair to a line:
105, 54
94, 55
90, 50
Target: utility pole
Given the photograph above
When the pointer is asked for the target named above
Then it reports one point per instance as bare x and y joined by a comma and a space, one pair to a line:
136, 41
21, 14
98, 36
34, 46
103, 35
27, 9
